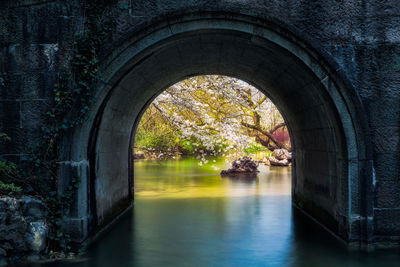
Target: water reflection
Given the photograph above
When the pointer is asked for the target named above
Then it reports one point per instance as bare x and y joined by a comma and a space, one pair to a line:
186, 215
185, 179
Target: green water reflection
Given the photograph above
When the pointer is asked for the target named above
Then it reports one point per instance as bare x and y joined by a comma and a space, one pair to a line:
187, 215
186, 179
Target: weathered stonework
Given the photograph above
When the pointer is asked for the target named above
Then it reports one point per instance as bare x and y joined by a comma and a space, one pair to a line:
23, 228
336, 80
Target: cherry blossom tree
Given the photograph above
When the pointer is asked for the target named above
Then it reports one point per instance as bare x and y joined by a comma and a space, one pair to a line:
217, 114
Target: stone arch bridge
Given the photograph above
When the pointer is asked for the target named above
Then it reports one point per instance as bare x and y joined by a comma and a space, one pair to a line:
332, 67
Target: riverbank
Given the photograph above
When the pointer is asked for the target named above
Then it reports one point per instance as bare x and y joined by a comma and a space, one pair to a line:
279, 157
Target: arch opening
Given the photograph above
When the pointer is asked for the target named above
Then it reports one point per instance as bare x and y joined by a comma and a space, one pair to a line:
210, 115
328, 149
187, 138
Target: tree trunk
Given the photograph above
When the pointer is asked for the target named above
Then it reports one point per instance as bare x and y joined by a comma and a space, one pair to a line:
266, 138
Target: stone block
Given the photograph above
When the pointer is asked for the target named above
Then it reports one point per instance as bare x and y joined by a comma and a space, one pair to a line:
368, 29
44, 23
386, 139
33, 114
22, 140
3, 59
77, 228
388, 194
27, 86
10, 86
387, 222
387, 166
4, 25
383, 112
376, 85
357, 60
34, 86
10, 114
355, 227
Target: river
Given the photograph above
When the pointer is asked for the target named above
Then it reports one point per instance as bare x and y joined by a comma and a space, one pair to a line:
187, 215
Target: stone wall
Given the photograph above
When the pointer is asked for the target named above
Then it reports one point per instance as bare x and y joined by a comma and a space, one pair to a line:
23, 228
35, 37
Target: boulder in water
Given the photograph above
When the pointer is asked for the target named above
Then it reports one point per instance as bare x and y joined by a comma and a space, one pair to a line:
245, 165
280, 157
276, 162
139, 155
281, 154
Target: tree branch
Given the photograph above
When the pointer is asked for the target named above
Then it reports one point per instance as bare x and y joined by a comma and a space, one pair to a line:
280, 125
269, 134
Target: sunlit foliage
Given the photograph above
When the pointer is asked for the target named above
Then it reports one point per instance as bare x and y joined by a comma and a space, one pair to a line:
210, 114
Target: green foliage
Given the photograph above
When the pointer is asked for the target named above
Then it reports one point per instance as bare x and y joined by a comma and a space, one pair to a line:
58, 206
9, 174
8, 170
189, 146
253, 149
4, 137
156, 134
154, 140
9, 189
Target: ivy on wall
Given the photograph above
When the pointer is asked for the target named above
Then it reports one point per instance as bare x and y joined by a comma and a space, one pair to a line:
72, 97
73, 92
8, 173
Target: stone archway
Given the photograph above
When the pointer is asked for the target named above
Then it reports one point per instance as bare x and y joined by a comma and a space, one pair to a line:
331, 162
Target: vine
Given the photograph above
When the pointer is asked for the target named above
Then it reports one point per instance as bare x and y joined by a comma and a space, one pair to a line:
8, 171
73, 92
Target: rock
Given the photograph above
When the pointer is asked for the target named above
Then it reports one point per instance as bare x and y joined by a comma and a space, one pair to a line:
3, 253
23, 227
32, 257
33, 208
3, 205
37, 237
275, 162
3, 217
6, 246
10, 204
244, 165
280, 157
281, 154
3, 261
264, 161
138, 155
18, 239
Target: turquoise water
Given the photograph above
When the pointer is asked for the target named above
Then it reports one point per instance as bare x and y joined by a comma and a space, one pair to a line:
187, 215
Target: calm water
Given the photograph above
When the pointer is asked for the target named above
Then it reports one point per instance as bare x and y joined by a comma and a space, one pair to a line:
187, 215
